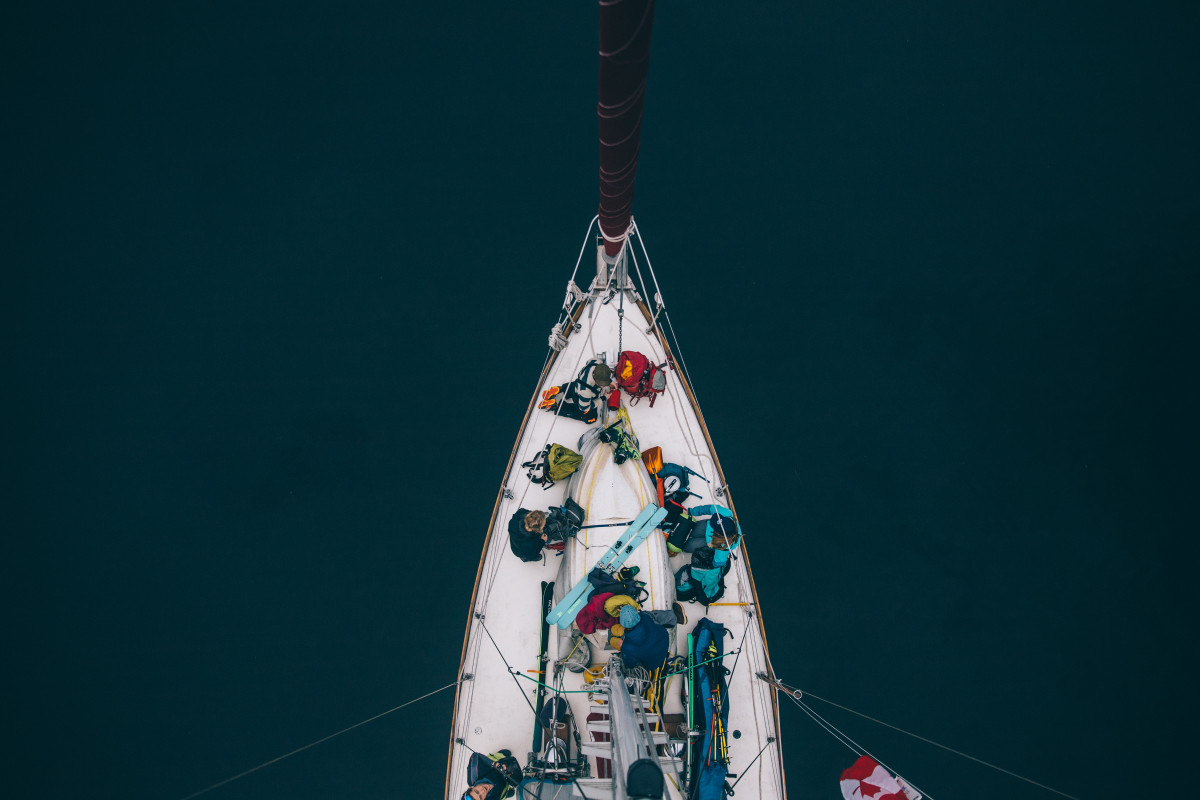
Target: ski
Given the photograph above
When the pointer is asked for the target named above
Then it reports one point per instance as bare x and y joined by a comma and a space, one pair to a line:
581, 588
612, 561
543, 677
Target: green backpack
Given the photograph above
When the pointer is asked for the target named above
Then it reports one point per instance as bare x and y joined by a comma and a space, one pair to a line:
553, 464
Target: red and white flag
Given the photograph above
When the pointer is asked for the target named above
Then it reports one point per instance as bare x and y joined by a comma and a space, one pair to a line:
866, 780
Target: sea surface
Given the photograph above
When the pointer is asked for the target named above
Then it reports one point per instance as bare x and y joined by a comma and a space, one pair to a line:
279, 278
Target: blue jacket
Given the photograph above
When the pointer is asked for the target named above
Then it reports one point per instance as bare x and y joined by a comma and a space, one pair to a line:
702, 534
645, 644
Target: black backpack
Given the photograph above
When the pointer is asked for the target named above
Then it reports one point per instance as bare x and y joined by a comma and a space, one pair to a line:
566, 518
688, 587
678, 524
575, 399
621, 583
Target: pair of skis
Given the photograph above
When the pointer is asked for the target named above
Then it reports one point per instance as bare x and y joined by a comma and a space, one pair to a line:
645, 523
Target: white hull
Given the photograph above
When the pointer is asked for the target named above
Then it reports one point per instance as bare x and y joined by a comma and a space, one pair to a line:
492, 711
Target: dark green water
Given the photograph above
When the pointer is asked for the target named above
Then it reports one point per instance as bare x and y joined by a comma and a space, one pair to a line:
280, 279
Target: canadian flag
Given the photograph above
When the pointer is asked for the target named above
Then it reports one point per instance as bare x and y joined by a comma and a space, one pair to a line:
866, 780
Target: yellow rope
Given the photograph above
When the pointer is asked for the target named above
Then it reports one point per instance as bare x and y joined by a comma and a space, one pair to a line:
650, 570
656, 703
573, 649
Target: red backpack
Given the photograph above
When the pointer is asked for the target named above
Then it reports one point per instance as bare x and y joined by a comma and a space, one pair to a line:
638, 378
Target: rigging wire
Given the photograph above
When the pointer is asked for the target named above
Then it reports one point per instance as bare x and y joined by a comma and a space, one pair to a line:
578, 744
860, 748
741, 644
560, 679
653, 277
492, 568
621, 310
942, 746
536, 721
565, 315
586, 237
218, 784
540, 785
514, 673
666, 313
832, 732
770, 741
668, 327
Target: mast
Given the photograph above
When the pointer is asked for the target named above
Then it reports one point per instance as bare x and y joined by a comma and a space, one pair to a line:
625, 27
636, 771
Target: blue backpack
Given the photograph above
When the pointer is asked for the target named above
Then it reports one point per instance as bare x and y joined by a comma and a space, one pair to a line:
701, 581
674, 481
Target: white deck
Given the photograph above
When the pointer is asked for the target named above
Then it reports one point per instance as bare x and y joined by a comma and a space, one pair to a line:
491, 713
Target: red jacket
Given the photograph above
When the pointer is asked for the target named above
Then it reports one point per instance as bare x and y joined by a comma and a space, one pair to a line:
593, 617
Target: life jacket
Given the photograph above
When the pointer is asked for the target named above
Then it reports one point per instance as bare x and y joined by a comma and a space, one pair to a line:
638, 378
553, 464
575, 399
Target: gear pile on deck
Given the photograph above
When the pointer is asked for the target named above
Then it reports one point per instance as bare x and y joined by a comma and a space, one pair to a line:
636, 524
616, 525
609, 612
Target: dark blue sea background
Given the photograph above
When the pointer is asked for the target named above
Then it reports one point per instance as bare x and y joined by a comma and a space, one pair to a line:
279, 277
